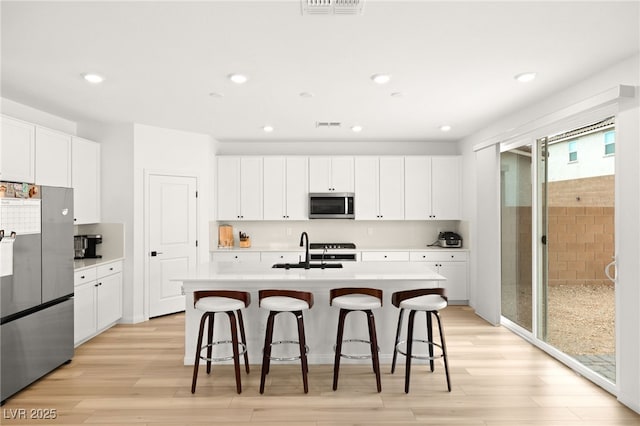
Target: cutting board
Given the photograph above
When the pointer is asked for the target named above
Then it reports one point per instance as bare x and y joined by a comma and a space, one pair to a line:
225, 236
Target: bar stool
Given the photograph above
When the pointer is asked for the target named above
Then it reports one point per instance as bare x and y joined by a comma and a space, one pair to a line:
429, 301
278, 301
212, 302
350, 300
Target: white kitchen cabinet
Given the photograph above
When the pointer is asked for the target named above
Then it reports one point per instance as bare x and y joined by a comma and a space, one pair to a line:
53, 158
451, 264
379, 188
85, 179
433, 188
236, 256
331, 174
97, 299
240, 188
384, 256
17, 153
281, 256
286, 195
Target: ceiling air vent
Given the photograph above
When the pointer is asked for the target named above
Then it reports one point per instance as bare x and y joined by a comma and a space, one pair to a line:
332, 7
327, 124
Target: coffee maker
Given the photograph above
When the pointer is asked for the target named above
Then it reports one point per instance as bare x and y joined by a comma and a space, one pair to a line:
85, 246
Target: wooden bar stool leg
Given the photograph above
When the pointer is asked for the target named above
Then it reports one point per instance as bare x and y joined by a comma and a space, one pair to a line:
395, 346
244, 340
266, 351
211, 317
236, 352
374, 348
303, 351
336, 363
197, 361
430, 339
444, 351
407, 376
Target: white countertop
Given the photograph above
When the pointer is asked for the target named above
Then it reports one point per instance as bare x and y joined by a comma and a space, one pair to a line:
350, 272
296, 248
79, 264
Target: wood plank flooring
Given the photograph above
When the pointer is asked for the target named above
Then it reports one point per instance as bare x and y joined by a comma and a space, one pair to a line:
133, 375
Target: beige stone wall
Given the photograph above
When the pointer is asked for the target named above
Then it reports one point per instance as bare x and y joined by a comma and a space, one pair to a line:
581, 229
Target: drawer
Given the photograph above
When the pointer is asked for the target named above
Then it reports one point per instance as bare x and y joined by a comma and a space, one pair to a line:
84, 276
281, 256
236, 257
385, 256
439, 256
108, 269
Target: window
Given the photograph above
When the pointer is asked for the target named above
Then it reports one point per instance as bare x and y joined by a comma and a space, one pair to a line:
610, 143
573, 151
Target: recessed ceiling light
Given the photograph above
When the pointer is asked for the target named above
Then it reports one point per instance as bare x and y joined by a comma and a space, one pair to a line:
381, 78
93, 78
238, 78
356, 128
397, 94
306, 95
216, 95
525, 77
445, 128
267, 128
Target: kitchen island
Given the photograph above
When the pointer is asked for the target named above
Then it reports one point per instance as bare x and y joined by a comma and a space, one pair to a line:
321, 320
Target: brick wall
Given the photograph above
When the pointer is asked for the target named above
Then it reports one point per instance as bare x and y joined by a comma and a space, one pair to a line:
581, 229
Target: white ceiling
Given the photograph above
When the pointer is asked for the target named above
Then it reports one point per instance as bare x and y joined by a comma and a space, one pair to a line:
454, 63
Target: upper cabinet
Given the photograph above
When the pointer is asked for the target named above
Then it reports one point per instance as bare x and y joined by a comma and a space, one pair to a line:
239, 183
85, 180
286, 195
432, 188
331, 174
379, 188
53, 158
17, 153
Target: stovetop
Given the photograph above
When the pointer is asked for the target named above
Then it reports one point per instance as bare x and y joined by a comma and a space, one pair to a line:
332, 246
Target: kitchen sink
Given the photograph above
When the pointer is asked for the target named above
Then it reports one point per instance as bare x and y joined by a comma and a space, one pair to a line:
311, 265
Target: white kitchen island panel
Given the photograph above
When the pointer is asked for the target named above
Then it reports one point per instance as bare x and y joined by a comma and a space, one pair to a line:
321, 320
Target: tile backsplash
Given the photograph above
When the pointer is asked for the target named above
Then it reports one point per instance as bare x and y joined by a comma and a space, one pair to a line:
365, 234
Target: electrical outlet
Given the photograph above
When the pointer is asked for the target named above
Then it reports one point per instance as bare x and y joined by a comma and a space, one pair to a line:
369, 231
288, 232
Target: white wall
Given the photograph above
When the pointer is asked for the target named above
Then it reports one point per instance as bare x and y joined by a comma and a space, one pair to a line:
116, 198
591, 159
168, 151
626, 72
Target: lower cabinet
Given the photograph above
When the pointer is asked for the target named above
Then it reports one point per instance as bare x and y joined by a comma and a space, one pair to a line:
97, 300
385, 256
250, 256
451, 264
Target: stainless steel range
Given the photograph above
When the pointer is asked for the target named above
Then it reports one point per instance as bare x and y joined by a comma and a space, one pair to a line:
333, 252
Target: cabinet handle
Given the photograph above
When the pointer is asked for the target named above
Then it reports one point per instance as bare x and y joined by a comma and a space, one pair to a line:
111, 269
96, 285
82, 277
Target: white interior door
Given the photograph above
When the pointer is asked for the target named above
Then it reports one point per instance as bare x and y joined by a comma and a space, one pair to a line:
172, 239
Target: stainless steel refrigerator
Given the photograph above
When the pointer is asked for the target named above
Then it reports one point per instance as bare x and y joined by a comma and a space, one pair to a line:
36, 288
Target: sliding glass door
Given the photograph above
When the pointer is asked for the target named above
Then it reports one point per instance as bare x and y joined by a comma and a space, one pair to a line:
558, 201
516, 215
576, 300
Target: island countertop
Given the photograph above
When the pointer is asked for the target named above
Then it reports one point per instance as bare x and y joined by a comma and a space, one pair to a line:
351, 271
321, 320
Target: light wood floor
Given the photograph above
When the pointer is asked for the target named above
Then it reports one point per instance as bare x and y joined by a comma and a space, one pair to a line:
133, 374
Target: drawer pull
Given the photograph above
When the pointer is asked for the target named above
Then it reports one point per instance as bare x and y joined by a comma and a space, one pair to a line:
82, 277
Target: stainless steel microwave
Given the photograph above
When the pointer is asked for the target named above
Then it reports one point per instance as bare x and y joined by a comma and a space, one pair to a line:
331, 205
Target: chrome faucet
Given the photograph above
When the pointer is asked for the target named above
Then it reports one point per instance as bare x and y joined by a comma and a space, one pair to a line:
304, 236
